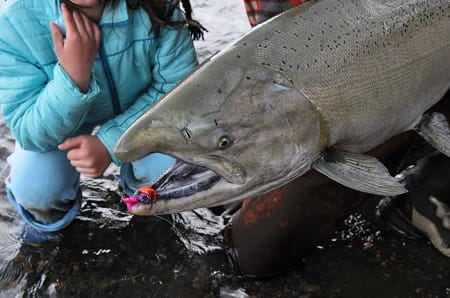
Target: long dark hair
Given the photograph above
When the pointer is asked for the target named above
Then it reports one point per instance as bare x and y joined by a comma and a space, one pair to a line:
160, 13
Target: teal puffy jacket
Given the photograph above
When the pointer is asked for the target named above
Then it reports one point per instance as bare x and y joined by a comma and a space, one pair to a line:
133, 69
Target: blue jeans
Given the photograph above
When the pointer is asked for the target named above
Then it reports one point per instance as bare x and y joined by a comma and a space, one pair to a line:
45, 187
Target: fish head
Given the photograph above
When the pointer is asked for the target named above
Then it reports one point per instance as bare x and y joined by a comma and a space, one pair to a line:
248, 129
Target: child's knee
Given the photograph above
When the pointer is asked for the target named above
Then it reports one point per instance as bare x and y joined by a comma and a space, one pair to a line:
42, 181
43, 198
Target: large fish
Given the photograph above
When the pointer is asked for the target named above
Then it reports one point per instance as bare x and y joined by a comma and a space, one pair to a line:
315, 87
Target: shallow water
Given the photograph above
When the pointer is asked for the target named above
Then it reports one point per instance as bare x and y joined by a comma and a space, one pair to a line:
109, 253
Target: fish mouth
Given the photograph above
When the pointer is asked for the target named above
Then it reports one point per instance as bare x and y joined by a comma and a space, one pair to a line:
178, 188
183, 180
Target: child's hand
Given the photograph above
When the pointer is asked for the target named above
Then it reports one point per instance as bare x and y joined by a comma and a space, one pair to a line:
77, 54
87, 154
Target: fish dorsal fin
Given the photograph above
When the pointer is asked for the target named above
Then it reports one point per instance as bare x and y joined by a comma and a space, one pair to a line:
434, 129
358, 171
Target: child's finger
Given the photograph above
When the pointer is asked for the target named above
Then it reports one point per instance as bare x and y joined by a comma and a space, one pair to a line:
97, 34
80, 164
75, 155
88, 172
88, 25
79, 23
70, 143
57, 36
68, 21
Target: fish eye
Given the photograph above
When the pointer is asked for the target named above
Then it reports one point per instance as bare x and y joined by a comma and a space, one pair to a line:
224, 142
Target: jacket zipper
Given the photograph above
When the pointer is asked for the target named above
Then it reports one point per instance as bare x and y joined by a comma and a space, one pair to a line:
109, 78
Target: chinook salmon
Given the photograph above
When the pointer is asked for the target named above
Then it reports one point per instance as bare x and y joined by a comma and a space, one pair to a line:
315, 87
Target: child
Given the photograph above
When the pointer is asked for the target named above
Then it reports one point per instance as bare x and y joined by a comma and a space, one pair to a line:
67, 67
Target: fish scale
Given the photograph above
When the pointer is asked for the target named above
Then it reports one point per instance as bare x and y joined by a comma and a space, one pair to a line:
373, 44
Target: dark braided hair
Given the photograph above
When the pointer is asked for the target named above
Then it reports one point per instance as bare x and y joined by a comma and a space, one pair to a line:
160, 13
194, 27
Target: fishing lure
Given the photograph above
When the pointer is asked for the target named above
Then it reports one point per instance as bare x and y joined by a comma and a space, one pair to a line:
145, 195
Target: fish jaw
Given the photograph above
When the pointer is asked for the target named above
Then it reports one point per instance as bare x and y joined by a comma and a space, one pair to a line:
208, 190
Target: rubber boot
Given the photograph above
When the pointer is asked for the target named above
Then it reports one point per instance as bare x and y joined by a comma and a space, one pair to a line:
424, 211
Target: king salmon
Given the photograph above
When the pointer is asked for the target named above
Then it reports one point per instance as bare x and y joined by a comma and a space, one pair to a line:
314, 88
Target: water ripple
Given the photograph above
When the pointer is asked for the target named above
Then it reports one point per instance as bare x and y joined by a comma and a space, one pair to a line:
200, 230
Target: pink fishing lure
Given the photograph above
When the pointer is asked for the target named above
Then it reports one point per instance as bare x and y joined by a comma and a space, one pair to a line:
145, 195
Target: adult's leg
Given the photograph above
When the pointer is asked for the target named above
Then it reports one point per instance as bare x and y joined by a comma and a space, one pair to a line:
273, 232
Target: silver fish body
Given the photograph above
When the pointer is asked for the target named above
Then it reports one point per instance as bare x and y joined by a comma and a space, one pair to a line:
327, 74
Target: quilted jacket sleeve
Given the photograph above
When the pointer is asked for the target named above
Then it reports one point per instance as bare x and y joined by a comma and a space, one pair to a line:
41, 111
175, 58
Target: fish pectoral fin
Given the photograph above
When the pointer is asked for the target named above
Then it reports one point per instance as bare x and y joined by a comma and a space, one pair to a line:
434, 129
358, 171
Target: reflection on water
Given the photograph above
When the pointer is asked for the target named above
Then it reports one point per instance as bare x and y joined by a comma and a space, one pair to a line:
199, 230
9, 243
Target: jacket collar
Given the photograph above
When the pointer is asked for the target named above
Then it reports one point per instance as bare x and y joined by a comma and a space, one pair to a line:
114, 16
